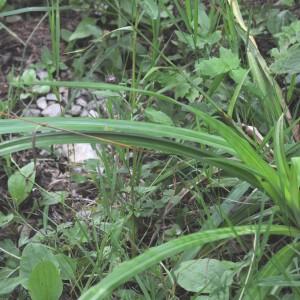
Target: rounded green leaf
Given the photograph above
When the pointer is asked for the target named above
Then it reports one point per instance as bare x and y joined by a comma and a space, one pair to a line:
5, 219
21, 183
45, 282
32, 255
206, 275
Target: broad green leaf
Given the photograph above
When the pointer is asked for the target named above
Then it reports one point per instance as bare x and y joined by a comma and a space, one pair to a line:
21, 183
186, 38
208, 276
216, 66
29, 76
287, 62
7, 285
158, 116
67, 266
2, 3
78, 234
289, 35
32, 255
277, 19
13, 257
212, 67
129, 269
229, 58
51, 198
151, 8
87, 27
45, 282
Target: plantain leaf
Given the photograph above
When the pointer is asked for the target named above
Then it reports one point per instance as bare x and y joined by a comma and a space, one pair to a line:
45, 282
21, 183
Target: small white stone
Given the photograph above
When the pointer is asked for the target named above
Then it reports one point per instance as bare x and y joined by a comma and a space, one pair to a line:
51, 97
75, 110
42, 74
41, 102
93, 113
84, 113
32, 112
78, 153
53, 110
81, 101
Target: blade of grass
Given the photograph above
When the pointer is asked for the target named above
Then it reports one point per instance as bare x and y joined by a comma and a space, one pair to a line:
235, 95
31, 10
28, 125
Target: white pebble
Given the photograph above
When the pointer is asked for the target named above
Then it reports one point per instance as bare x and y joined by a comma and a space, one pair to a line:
51, 97
53, 110
84, 113
81, 101
75, 110
42, 74
41, 103
93, 113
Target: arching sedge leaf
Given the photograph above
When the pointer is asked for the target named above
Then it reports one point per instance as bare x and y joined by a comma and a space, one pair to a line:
129, 269
232, 167
28, 125
290, 190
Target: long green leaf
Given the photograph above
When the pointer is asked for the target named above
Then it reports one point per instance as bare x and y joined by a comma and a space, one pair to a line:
83, 125
235, 168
